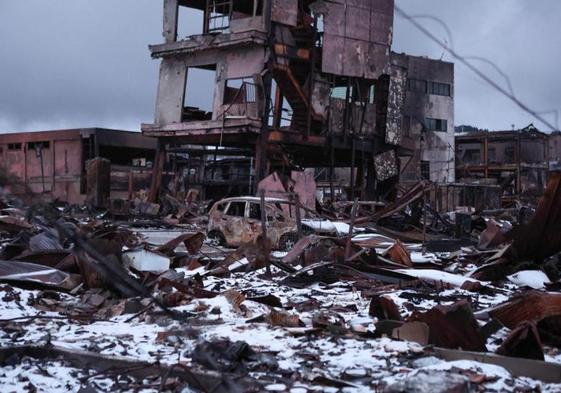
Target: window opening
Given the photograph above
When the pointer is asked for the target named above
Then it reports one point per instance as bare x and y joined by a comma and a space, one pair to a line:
417, 85
440, 89
219, 13
236, 209
199, 93
440, 125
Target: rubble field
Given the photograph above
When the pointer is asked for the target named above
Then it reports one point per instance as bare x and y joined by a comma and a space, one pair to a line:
400, 300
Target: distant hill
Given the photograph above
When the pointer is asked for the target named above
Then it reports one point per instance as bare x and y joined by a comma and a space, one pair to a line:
466, 128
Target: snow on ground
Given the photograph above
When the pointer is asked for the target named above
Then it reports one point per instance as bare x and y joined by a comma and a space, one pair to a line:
365, 363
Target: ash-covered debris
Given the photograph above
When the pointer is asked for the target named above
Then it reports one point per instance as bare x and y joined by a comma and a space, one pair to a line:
388, 300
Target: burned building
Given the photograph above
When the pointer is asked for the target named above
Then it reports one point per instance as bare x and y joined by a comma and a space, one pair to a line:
555, 150
428, 122
518, 161
303, 84
53, 163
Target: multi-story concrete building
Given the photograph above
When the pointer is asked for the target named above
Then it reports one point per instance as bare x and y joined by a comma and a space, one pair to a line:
304, 83
301, 83
428, 121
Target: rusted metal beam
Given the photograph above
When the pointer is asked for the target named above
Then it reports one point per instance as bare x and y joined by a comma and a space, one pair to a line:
157, 173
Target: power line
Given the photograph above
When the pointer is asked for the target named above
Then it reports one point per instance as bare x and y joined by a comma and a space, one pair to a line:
508, 81
497, 68
461, 59
441, 23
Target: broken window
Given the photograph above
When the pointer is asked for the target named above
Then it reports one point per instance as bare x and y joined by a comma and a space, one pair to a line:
199, 93
14, 146
440, 89
274, 215
509, 154
255, 211
37, 145
371, 94
236, 209
240, 91
406, 125
492, 154
339, 92
417, 85
472, 156
440, 125
425, 170
218, 14
320, 29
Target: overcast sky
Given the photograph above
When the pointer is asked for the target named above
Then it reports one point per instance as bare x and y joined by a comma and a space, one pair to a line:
85, 63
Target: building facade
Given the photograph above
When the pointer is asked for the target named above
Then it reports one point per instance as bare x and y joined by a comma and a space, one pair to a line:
53, 163
303, 84
518, 161
428, 122
555, 150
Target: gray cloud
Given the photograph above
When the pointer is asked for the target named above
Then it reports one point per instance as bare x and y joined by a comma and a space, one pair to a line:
520, 36
81, 63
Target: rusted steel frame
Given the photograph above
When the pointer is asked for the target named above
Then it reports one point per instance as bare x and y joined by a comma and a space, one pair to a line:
40, 152
242, 89
348, 247
407, 164
541, 238
263, 214
311, 80
346, 111
364, 166
424, 216
353, 165
175, 175
331, 168
410, 196
353, 154
130, 185
261, 148
188, 181
298, 215
519, 166
157, 173
277, 116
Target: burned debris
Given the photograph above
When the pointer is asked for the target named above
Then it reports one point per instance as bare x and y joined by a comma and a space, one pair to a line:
310, 228
347, 305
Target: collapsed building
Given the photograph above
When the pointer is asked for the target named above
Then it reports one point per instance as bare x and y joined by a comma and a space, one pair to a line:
302, 84
55, 164
517, 161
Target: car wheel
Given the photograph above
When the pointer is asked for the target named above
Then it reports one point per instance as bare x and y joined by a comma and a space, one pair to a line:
216, 238
288, 241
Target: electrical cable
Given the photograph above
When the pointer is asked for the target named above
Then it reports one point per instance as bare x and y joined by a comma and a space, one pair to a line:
478, 72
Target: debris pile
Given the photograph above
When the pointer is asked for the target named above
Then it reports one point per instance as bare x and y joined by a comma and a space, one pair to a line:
403, 299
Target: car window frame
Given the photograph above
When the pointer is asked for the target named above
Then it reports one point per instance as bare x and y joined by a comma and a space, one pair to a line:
245, 214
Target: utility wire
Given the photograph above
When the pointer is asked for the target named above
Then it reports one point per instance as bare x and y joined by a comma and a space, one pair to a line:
465, 62
441, 23
497, 68
508, 81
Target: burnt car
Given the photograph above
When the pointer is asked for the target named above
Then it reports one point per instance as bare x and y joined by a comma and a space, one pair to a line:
234, 221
